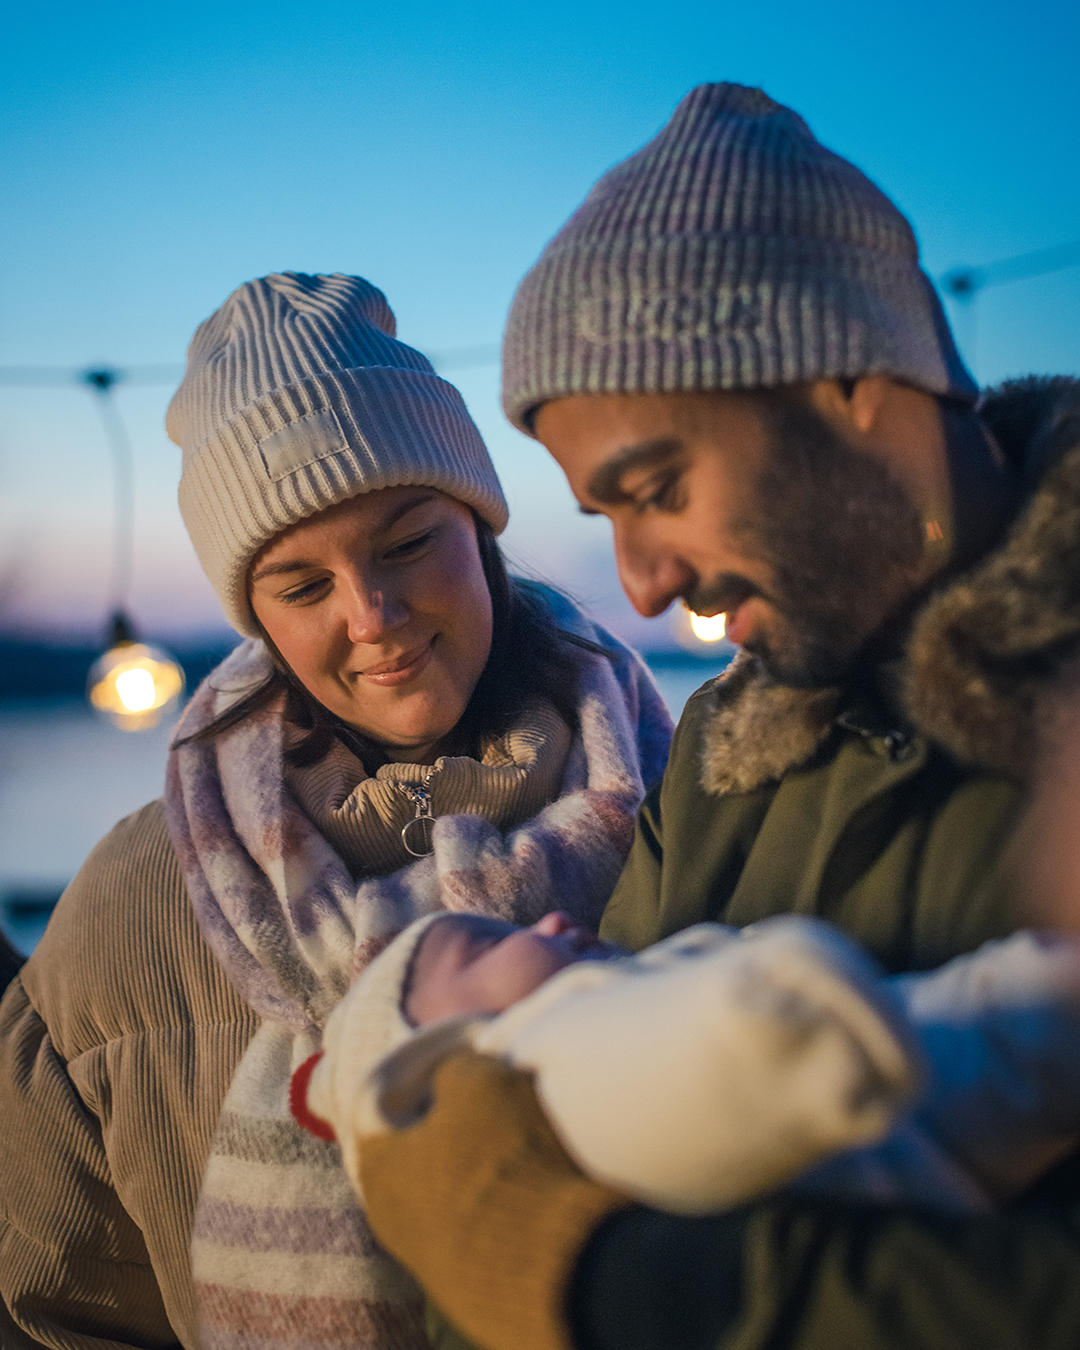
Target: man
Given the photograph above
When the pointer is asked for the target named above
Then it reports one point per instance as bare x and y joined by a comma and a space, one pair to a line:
732, 353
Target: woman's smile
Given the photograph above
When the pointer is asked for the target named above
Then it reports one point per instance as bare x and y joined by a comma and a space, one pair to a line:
401, 669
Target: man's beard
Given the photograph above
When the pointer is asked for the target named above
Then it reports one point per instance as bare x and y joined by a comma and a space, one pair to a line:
841, 538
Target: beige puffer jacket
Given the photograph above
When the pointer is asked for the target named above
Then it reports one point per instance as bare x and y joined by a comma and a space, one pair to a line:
121, 1035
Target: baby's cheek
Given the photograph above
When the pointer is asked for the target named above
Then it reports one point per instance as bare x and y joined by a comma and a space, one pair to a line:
539, 971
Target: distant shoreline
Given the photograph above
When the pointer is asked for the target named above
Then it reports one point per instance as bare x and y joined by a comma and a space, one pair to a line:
52, 669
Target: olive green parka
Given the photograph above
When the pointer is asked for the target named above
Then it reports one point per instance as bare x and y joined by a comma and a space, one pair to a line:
879, 831
885, 807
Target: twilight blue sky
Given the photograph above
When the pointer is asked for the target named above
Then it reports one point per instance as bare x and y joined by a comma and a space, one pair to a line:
155, 157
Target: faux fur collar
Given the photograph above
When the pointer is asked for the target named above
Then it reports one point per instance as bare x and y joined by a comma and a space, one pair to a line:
985, 650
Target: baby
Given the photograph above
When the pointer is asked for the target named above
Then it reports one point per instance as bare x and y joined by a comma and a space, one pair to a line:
721, 1064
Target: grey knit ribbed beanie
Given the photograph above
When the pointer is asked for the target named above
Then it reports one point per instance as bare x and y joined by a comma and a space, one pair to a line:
297, 396
733, 252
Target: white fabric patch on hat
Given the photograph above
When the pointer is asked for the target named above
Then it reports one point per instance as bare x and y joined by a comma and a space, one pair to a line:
314, 437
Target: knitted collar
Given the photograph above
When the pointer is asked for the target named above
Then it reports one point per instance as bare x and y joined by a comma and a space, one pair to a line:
362, 817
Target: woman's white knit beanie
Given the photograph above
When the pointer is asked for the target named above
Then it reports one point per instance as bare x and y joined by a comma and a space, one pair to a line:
297, 396
732, 252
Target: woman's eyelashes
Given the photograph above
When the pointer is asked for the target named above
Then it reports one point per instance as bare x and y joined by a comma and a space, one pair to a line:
309, 590
408, 548
315, 589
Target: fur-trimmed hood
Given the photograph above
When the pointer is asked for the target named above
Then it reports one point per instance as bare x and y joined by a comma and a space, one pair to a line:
985, 650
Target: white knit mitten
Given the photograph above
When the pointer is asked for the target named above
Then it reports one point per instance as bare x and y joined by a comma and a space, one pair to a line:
717, 1065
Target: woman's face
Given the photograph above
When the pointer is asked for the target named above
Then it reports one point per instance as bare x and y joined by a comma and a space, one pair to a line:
381, 608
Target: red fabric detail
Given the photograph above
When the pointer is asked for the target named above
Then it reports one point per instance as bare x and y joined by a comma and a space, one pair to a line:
298, 1101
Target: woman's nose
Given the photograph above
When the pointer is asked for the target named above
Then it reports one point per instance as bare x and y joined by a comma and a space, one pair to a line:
372, 612
652, 574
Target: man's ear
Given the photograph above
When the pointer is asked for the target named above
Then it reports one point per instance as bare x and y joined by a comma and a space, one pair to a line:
856, 404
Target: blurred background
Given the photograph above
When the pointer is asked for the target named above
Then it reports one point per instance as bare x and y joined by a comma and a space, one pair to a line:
156, 156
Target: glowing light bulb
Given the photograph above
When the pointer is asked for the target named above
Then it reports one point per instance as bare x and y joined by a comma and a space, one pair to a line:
708, 628
135, 689
704, 635
134, 685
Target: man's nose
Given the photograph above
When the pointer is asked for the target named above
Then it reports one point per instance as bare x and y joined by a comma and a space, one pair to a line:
372, 611
651, 576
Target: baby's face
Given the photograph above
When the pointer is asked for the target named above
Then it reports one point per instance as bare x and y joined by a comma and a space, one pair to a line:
466, 963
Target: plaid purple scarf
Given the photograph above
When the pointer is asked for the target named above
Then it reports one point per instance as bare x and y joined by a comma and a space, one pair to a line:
282, 1258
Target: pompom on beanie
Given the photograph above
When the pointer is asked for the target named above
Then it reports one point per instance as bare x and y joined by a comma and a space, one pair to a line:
733, 252
298, 396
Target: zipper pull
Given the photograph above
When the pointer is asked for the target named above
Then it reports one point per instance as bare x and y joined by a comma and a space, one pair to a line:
418, 834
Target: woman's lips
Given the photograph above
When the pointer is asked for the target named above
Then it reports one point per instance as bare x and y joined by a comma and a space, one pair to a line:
402, 668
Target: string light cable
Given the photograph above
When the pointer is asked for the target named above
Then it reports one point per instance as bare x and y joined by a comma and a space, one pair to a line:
131, 683
965, 284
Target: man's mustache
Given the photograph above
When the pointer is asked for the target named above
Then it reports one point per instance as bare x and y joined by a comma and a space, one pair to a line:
721, 594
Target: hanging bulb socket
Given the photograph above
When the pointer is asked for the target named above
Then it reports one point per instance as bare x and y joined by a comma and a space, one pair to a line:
121, 632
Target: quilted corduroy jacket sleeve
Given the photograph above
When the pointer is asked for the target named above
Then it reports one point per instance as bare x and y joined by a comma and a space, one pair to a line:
119, 1039
74, 1268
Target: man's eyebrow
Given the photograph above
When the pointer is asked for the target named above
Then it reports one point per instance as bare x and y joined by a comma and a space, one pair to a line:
605, 485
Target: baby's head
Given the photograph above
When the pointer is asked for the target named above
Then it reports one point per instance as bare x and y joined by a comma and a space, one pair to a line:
464, 963
442, 966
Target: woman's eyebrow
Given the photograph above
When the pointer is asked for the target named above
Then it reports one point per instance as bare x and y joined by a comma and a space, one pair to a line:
279, 569
605, 485
391, 519
403, 509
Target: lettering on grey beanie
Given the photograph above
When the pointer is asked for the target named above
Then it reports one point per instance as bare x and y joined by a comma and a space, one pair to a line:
298, 396
733, 252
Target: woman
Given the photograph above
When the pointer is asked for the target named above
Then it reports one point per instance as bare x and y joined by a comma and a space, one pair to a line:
405, 730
